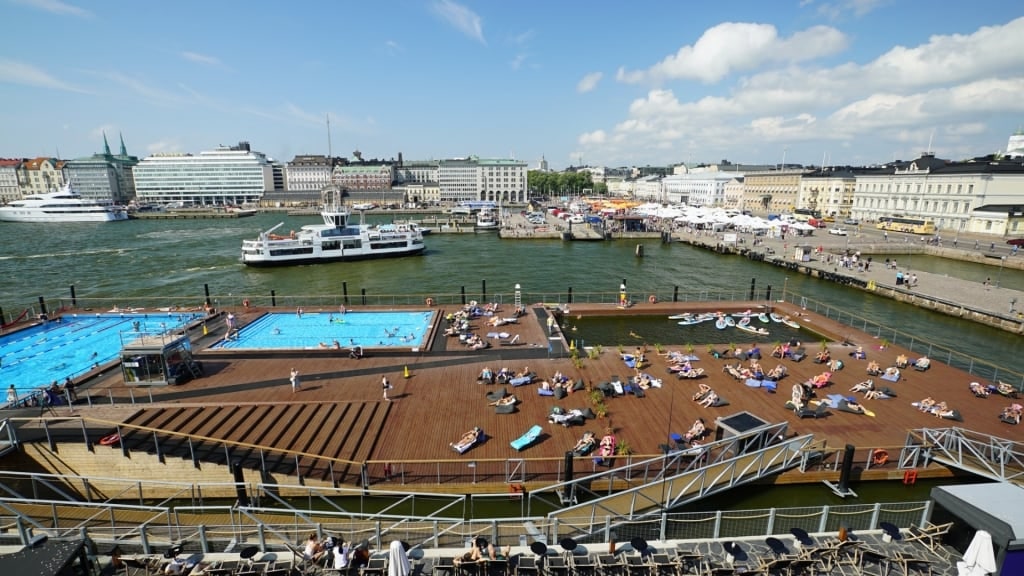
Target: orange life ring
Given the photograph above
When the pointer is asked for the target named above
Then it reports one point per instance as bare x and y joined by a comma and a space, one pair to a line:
879, 457
110, 439
652, 299
429, 301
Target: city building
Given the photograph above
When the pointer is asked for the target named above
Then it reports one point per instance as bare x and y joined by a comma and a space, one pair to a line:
104, 177
310, 173
772, 191
225, 176
697, 189
364, 177
734, 194
1015, 146
40, 175
9, 179
473, 178
830, 192
953, 195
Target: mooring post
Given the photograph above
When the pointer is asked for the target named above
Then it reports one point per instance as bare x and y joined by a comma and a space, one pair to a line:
753, 283
483, 291
42, 305
273, 298
74, 301
462, 290
569, 297
206, 290
344, 292
675, 293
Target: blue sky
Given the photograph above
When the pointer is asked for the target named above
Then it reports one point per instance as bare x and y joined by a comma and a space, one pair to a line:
597, 82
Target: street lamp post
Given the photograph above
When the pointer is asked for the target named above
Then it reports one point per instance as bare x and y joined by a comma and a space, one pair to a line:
1002, 260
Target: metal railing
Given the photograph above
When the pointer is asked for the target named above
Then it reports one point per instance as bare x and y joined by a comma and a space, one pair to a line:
982, 454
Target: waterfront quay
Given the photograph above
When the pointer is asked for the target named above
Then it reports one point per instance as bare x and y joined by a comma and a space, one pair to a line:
338, 430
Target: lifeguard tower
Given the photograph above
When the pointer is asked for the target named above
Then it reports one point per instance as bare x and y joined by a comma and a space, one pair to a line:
163, 359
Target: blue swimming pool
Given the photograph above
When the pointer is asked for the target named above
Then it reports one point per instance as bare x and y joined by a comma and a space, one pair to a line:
281, 331
71, 345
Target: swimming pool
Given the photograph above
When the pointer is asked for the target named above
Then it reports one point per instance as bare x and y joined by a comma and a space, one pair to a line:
71, 345
283, 331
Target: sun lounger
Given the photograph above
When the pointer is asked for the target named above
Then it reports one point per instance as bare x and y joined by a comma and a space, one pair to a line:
890, 377
545, 392
497, 395
719, 402
513, 342
520, 380
461, 447
819, 411
505, 409
525, 440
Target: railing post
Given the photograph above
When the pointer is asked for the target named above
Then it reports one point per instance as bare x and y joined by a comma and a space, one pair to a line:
718, 524
144, 539
823, 524
662, 536
770, 528
261, 531
204, 544
875, 511
437, 536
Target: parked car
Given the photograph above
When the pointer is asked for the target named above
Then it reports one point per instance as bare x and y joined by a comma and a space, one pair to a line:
851, 222
837, 231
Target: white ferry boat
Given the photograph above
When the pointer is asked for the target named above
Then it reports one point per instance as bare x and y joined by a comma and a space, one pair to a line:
64, 205
487, 220
334, 240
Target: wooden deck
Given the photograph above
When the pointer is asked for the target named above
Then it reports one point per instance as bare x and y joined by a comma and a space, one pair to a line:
340, 413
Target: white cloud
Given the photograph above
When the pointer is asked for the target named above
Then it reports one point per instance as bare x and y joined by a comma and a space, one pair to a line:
56, 7
301, 115
523, 37
739, 46
200, 58
393, 47
165, 145
462, 18
15, 72
965, 87
152, 94
589, 82
835, 10
517, 62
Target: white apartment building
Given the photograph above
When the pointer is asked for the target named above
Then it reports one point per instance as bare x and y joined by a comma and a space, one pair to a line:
227, 175
734, 194
829, 192
308, 173
649, 189
417, 172
473, 178
9, 180
697, 189
946, 193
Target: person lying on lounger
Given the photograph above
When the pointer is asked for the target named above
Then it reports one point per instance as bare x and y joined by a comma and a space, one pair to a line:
901, 361
607, 446
586, 443
879, 394
979, 389
874, 369
922, 363
1006, 390
696, 431
709, 399
926, 405
859, 353
822, 357
777, 373
566, 418
510, 399
702, 391
468, 439
941, 410
892, 372
1011, 414
865, 386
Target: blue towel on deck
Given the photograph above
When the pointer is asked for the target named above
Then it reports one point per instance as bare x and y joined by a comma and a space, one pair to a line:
520, 381
754, 383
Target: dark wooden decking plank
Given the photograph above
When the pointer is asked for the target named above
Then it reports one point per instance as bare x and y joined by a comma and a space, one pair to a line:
328, 435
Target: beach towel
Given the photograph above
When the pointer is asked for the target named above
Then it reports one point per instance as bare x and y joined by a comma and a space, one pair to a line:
528, 438
520, 380
751, 382
890, 377
545, 392
769, 385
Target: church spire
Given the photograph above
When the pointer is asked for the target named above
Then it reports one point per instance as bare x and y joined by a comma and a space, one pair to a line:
123, 151
106, 147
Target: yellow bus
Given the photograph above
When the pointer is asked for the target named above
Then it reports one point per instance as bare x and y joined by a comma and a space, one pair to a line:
911, 225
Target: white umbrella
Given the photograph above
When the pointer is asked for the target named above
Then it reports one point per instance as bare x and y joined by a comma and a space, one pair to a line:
980, 557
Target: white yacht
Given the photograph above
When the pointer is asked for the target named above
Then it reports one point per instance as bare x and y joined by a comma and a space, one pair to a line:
334, 240
62, 206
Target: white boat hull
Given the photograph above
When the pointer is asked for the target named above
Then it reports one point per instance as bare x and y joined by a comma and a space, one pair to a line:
51, 217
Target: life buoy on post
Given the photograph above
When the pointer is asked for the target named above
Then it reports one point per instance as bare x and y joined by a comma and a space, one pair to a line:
879, 457
429, 301
110, 439
652, 299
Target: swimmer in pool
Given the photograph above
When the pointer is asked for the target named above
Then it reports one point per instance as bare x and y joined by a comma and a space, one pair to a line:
275, 331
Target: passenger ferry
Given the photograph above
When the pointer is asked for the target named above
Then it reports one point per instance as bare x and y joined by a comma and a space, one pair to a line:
334, 240
64, 205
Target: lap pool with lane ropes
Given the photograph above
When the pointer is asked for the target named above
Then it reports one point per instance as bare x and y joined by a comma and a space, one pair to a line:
289, 331
75, 343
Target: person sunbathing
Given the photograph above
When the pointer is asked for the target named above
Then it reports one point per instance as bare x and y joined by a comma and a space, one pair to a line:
696, 431
901, 361
859, 353
926, 405
777, 373
822, 357
709, 399
1011, 414
941, 409
865, 386
486, 376
607, 446
923, 363
510, 399
702, 391
979, 389
1006, 389
734, 371
874, 369
777, 352
853, 406
821, 380
565, 419
586, 443
525, 372
468, 439
892, 372
835, 365
755, 366
880, 394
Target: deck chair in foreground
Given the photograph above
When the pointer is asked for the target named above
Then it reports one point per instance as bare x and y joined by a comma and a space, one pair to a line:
528, 438
930, 535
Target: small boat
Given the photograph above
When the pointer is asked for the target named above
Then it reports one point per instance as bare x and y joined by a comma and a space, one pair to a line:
752, 329
720, 323
690, 321
746, 314
743, 322
786, 320
487, 220
764, 318
683, 316
775, 317
730, 321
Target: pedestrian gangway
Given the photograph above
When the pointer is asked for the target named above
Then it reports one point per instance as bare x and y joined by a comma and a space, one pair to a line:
982, 454
685, 476
8, 441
